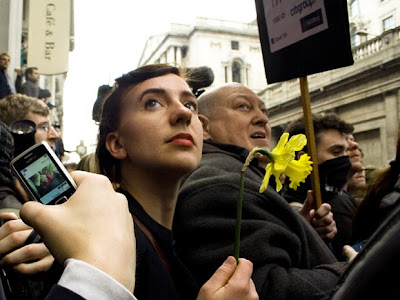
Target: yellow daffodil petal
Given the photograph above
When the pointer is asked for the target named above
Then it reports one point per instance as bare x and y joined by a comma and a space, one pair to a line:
297, 142
298, 170
282, 161
282, 142
265, 181
278, 183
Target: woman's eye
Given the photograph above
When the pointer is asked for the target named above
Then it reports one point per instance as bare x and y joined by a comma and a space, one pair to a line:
191, 105
151, 103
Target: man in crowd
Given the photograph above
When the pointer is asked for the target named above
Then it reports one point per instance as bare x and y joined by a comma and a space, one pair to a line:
31, 84
290, 259
334, 166
18, 107
356, 185
6, 85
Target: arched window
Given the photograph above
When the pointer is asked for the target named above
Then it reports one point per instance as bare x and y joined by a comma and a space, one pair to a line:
236, 72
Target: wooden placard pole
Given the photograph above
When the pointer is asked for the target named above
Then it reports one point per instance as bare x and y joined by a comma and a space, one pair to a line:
311, 145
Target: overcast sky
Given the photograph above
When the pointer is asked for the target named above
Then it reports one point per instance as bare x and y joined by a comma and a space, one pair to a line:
109, 39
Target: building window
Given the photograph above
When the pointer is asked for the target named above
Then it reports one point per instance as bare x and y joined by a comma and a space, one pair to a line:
234, 45
226, 74
388, 23
354, 8
236, 72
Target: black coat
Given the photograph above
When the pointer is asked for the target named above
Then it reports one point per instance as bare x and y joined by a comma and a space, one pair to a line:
290, 260
153, 281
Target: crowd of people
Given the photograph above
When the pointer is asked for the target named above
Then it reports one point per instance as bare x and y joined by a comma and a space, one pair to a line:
154, 213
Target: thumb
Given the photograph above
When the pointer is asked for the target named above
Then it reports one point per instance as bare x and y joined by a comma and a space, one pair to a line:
307, 206
349, 252
33, 213
222, 275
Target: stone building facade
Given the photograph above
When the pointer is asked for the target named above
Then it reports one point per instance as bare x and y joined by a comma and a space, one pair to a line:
231, 49
366, 94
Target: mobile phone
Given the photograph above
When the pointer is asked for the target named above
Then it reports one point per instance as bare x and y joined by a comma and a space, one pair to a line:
43, 175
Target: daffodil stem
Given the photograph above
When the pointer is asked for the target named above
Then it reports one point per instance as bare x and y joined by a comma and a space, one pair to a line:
264, 152
255, 153
239, 217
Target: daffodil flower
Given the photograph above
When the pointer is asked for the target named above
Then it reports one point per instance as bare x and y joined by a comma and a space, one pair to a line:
282, 160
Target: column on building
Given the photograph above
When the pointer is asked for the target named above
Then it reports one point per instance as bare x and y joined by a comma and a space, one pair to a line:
11, 32
227, 71
178, 55
392, 121
170, 53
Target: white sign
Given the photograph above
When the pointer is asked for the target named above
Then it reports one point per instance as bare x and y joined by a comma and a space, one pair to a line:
48, 37
289, 21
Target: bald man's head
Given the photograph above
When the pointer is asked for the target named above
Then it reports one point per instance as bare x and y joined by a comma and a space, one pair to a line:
234, 114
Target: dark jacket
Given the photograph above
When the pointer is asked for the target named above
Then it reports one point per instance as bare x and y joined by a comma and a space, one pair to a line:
153, 281
290, 260
344, 208
30, 89
371, 275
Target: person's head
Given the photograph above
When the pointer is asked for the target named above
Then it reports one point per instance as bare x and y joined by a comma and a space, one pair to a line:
32, 74
88, 163
333, 163
149, 123
330, 135
18, 107
102, 91
354, 152
4, 61
356, 184
233, 114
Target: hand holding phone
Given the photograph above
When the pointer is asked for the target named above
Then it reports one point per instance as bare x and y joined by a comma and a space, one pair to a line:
43, 175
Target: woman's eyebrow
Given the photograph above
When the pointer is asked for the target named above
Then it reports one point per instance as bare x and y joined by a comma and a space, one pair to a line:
161, 91
152, 91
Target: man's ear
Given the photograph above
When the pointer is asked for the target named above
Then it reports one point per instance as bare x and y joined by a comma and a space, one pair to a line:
300, 153
205, 122
114, 146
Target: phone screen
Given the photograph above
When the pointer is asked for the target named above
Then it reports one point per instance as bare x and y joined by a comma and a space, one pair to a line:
45, 179
43, 175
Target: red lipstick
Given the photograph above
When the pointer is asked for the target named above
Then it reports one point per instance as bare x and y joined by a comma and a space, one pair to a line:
182, 139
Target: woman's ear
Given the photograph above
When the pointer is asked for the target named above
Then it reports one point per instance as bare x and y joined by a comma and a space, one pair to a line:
114, 146
206, 128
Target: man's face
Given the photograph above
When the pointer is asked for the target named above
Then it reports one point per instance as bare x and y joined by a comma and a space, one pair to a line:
43, 123
330, 144
240, 118
354, 152
4, 62
34, 76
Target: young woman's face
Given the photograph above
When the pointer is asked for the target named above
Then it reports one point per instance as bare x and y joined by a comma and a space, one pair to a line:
159, 127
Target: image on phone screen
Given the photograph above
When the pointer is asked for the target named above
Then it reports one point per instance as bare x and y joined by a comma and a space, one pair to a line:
45, 180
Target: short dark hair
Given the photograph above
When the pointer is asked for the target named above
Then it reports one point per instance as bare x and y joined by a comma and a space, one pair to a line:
111, 110
29, 71
321, 122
